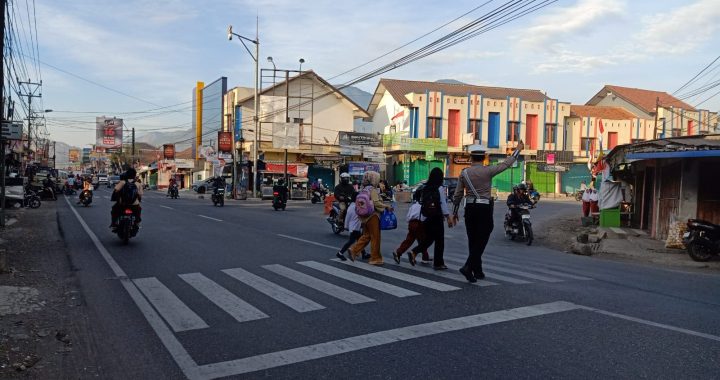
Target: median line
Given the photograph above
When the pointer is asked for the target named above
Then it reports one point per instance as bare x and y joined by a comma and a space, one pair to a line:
209, 217
307, 241
167, 207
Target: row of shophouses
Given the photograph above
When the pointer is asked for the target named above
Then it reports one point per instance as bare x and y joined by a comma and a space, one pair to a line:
409, 127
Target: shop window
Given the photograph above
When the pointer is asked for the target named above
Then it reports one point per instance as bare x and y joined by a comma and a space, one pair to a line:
513, 132
676, 132
587, 144
475, 127
434, 126
550, 133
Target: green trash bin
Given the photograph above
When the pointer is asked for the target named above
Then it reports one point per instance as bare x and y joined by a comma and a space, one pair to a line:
610, 217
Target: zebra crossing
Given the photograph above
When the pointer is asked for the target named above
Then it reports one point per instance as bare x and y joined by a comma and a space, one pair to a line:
317, 276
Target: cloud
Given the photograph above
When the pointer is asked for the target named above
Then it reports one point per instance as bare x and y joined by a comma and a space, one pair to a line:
568, 22
681, 30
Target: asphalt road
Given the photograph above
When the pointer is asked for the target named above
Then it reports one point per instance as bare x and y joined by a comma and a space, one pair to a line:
247, 292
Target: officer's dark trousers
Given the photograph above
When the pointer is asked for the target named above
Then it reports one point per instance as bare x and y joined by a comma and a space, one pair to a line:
434, 233
479, 225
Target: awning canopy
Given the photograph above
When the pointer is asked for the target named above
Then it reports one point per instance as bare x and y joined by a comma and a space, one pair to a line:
676, 154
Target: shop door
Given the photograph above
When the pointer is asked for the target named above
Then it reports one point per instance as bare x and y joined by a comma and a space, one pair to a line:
612, 140
544, 182
531, 132
494, 130
572, 178
454, 128
648, 199
669, 198
504, 181
708, 207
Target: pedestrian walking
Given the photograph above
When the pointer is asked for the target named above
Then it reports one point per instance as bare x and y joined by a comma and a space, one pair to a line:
352, 224
474, 184
434, 208
415, 230
368, 206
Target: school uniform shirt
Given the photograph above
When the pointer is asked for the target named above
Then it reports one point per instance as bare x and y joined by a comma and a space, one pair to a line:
443, 206
352, 221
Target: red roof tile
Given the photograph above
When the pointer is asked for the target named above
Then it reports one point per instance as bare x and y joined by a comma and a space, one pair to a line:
609, 113
643, 99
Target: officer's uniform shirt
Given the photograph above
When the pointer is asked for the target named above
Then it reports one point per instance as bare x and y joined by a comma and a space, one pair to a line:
481, 178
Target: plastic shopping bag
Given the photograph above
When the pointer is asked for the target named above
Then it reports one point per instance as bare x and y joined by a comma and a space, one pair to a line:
388, 220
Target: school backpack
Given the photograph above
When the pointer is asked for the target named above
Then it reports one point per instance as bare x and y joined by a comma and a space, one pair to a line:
364, 205
128, 193
430, 202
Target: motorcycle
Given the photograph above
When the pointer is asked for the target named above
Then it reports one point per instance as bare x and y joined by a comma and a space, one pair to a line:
334, 219
578, 195
318, 196
278, 202
127, 228
218, 197
174, 192
86, 197
702, 239
30, 199
46, 193
513, 229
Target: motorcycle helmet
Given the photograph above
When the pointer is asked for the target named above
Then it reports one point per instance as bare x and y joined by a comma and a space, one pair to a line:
522, 187
345, 178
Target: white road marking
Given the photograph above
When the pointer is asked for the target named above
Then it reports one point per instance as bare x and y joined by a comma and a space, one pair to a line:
521, 273
536, 269
275, 291
167, 207
380, 338
319, 285
492, 275
211, 218
362, 280
175, 312
439, 286
183, 359
106, 196
230, 303
451, 275
308, 241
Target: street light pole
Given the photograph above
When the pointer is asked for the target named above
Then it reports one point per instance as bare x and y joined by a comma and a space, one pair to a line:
256, 119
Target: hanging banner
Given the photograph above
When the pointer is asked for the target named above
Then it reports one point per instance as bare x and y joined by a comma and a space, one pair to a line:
350, 139
74, 155
169, 151
225, 142
238, 123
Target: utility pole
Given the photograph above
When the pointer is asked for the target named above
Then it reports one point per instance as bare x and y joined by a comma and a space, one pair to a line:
657, 112
2, 111
133, 144
31, 93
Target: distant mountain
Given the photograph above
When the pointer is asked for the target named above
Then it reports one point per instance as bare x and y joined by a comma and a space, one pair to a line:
358, 96
157, 139
449, 81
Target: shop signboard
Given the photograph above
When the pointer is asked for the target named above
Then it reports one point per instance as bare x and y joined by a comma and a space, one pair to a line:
108, 132
298, 170
11, 130
225, 142
550, 158
400, 141
183, 163
355, 139
551, 168
359, 168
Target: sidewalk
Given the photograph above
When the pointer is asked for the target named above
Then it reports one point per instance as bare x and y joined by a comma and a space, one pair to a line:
43, 320
615, 243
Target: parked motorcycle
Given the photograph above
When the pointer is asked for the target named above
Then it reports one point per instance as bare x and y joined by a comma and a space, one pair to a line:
218, 197
334, 219
45, 193
702, 239
278, 202
318, 196
86, 198
174, 192
519, 229
31, 199
127, 228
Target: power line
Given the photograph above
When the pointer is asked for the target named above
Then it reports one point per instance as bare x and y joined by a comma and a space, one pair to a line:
696, 75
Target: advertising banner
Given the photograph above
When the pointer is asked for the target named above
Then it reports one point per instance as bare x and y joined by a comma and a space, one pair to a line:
169, 151
238, 123
225, 142
359, 168
109, 132
286, 136
400, 141
348, 139
297, 170
74, 155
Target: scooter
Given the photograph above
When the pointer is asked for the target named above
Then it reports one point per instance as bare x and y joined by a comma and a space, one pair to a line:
218, 197
702, 239
278, 202
174, 192
514, 230
127, 228
31, 200
318, 196
86, 198
334, 219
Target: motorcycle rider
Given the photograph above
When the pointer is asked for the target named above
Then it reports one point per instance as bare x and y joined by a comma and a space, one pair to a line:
87, 186
171, 183
517, 198
49, 186
218, 183
344, 193
117, 196
282, 190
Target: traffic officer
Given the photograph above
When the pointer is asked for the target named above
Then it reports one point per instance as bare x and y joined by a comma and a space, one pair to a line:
474, 184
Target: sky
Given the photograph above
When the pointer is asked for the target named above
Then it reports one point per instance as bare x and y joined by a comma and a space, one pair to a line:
121, 58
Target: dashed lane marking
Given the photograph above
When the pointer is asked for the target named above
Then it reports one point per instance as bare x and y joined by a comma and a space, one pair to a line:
209, 217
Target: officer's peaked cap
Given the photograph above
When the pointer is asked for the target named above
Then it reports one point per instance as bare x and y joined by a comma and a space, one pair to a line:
477, 149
